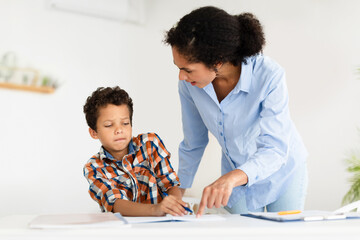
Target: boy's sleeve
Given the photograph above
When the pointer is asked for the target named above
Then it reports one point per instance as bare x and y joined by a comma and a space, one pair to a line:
102, 189
166, 176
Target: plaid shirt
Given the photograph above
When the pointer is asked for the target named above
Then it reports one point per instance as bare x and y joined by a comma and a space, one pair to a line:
141, 176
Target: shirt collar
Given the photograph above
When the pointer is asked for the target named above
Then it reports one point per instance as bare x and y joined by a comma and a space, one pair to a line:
132, 148
244, 82
105, 154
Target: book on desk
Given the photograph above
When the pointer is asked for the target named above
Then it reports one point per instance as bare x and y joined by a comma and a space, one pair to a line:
108, 220
170, 218
312, 215
345, 212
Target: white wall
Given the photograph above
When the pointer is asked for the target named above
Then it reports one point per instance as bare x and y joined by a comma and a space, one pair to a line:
44, 140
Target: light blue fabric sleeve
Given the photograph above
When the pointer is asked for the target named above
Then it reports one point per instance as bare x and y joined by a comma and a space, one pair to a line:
195, 140
275, 132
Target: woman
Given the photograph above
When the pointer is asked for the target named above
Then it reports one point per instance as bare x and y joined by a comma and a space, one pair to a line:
229, 88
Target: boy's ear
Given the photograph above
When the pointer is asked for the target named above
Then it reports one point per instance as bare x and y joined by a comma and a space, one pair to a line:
93, 133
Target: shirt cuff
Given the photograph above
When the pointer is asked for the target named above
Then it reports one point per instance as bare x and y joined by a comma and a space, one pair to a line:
110, 198
250, 169
186, 180
174, 181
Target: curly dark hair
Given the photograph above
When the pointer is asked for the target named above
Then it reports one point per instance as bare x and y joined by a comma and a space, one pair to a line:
210, 35
102, 97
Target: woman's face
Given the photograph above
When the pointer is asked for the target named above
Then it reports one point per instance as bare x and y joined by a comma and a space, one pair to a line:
195, 73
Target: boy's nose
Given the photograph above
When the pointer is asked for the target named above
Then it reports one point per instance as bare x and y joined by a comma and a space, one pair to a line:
118, 130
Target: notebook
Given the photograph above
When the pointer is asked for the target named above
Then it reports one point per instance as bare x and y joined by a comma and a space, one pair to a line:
170, 218
79, 220
313, 215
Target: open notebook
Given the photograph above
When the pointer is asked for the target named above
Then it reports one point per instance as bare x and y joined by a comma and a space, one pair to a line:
169, 218
79, 220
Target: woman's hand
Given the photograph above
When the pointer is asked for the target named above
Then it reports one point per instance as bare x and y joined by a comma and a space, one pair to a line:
218, 193
170, 205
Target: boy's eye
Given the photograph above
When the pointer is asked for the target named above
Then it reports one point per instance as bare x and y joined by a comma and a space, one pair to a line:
126, 123
108, 125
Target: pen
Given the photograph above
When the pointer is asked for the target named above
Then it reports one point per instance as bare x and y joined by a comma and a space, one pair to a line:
289, 212
186, 208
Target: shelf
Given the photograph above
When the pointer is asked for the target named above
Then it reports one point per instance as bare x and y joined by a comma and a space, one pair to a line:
41, 89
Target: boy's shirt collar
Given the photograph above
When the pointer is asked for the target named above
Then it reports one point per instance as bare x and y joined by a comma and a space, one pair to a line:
132, 148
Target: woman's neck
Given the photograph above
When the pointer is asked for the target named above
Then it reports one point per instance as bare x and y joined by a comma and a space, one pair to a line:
227, 77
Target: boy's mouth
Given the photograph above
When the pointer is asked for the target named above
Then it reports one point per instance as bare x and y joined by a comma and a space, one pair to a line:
119, 139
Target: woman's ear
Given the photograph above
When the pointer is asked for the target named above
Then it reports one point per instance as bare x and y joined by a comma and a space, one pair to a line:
93, 133
217, 66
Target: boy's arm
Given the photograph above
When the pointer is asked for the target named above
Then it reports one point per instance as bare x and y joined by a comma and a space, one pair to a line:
169, 205
176, 192
182, 191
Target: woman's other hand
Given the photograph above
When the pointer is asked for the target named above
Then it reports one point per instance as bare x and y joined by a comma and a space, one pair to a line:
218, 193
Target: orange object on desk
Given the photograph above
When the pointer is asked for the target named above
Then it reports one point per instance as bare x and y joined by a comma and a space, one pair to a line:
289, 212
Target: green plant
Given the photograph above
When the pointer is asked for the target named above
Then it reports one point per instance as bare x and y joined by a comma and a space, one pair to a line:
353, 194
353, 162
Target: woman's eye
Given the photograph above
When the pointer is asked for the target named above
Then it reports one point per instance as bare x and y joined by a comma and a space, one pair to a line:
107, 126
126, 123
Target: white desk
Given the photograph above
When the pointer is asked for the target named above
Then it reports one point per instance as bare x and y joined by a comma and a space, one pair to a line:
235, 227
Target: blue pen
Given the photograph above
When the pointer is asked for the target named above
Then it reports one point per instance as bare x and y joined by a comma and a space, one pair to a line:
186, 208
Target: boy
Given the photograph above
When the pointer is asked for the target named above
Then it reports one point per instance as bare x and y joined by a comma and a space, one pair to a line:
130, 175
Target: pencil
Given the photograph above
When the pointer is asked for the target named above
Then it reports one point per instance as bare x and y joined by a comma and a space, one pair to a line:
289, 212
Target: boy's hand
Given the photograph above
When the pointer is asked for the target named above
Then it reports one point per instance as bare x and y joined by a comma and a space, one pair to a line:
170, 205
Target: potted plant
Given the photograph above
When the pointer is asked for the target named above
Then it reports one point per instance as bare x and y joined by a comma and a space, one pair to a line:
353, 162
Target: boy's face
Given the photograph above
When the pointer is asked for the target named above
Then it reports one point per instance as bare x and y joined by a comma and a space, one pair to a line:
113, 129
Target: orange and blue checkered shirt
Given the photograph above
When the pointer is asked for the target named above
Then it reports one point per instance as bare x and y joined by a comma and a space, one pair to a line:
141, 176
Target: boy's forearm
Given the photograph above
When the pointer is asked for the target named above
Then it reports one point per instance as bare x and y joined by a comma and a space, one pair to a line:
129, 208
176, 192
172, 204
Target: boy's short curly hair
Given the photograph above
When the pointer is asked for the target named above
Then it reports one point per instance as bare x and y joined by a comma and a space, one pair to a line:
101, 98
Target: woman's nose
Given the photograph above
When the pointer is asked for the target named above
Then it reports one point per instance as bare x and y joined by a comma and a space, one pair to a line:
182, 75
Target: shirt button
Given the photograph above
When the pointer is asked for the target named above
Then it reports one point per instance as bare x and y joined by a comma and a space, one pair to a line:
221, 134
220, 123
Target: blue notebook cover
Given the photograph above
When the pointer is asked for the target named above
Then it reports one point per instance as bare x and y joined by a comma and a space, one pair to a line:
312, 215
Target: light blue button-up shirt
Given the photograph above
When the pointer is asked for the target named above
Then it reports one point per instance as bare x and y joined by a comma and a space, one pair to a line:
253, 127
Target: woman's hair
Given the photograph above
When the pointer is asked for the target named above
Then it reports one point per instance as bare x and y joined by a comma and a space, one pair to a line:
101, 98
210, 35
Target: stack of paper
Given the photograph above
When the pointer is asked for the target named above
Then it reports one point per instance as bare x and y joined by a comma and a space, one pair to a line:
81, 220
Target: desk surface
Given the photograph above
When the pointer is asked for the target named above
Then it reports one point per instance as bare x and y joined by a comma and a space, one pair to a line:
235, 227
